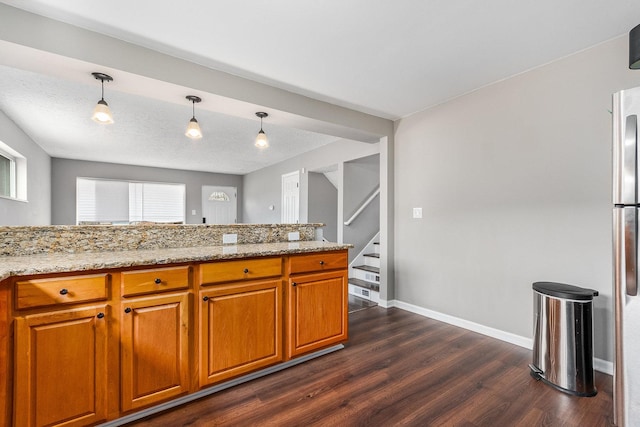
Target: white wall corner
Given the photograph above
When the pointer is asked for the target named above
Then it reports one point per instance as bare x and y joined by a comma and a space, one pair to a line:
387, 304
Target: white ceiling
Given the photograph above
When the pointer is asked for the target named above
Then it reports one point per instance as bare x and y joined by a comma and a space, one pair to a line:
388, 59
56, 113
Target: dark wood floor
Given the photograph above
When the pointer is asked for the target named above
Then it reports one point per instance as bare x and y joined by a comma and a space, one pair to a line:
357, 304
401, 369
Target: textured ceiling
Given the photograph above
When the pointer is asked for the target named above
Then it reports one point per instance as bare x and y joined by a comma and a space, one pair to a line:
389, 59
56, 113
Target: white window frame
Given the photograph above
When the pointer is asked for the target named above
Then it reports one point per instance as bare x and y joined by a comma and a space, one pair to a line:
17, 173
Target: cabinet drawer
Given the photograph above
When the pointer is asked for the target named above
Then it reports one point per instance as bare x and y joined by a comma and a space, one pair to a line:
317, 262
154, 280
230, 271
61, 290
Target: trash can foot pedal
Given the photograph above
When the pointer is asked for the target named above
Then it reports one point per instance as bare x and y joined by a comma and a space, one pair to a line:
535, 372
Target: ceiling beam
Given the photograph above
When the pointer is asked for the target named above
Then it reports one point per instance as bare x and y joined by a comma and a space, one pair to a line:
236, 95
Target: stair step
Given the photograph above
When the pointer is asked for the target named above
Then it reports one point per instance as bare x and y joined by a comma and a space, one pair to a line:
364, 284
368, 268
372, 255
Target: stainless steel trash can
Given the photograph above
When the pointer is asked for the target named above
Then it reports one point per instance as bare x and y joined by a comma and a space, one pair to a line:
563, 337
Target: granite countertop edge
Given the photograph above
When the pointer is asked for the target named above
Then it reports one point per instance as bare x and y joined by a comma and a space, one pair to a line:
87, 261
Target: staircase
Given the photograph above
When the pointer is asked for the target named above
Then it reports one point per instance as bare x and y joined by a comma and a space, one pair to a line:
364, 273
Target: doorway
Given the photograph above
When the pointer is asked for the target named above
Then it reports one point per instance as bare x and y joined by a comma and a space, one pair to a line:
219, 205
291, 198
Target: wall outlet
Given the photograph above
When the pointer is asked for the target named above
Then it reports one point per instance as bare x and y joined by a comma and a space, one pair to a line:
417, 212
229, 238
294, 235
193, 212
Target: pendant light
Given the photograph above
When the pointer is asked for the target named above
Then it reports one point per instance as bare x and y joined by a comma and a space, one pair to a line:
102, 113
261, 139
634, 48
193, 128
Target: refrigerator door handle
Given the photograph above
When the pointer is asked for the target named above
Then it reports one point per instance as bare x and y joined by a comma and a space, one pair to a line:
625, 156
631, 250
630, 162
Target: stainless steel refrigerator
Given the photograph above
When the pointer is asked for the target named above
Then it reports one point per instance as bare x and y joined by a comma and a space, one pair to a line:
626, 214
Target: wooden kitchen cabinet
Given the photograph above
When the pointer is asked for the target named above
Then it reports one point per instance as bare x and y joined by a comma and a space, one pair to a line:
81, 348
317, 302
154, 339
61, 367
240, 328
34, 293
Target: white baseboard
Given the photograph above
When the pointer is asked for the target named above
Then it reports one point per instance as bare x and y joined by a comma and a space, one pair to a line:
385, 304
603, 366
598, 364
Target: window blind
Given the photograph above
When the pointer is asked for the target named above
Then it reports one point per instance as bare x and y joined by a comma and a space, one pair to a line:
156, 202
120, 202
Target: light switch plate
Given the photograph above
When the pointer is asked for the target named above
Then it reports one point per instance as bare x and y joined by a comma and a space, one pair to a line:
229, 238
193, 212
417, 212
294, 235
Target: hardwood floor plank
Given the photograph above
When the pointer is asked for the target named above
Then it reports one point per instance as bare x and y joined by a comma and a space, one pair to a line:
399, 368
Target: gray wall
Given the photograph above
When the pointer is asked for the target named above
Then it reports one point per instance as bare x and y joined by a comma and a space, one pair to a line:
262, 188
361, 178
515, 184
37, 209
63, 185
323, 205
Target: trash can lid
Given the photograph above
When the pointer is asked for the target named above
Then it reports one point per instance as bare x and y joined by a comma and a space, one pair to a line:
561, 290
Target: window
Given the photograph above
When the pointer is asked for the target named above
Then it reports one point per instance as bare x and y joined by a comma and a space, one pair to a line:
13, 173
123, 202
219, 196
7, 176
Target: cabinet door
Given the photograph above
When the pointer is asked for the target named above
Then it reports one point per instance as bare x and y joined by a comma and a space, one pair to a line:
154, 350
317, 311
61, 368
240, 329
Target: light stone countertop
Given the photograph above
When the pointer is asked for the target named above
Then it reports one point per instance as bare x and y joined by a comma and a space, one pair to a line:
85, 261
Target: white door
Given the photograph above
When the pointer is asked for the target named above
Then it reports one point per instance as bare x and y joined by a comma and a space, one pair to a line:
291, 198
219, 205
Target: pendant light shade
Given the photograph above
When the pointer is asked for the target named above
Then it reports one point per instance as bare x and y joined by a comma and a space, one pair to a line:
102, 112
193, 128
261, 139
634, 48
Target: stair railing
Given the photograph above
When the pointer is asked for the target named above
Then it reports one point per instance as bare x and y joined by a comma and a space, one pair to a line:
363, 206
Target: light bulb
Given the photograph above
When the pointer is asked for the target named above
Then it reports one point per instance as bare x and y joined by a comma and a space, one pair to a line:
102, 113
193, 129
261, 140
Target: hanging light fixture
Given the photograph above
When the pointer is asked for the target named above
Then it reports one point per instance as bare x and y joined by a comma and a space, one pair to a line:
261, 139
193, 128
102, 113
634, 48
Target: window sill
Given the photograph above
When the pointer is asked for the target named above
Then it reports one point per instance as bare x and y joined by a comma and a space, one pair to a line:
14, 199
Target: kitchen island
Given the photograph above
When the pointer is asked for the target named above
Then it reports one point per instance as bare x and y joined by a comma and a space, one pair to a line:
106, 336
